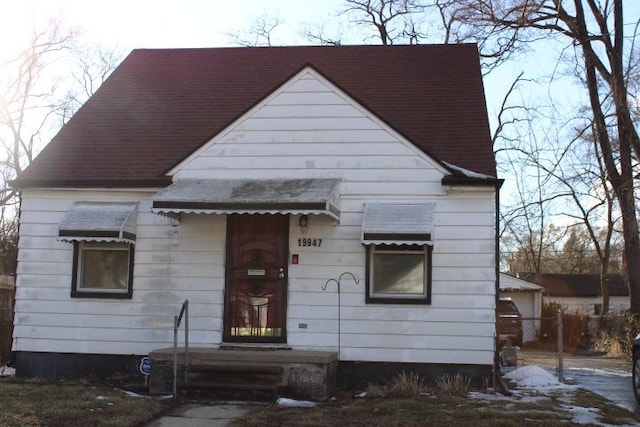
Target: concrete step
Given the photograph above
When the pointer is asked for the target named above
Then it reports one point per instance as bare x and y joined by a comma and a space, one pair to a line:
249, 369
232, 391
203, 385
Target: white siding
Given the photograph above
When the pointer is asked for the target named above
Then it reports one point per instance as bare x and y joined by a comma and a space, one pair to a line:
48, 319
306, 129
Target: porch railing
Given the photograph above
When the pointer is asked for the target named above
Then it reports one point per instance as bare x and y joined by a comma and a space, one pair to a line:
177, 320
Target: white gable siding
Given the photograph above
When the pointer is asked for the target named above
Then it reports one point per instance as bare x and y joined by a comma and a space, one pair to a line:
308, 129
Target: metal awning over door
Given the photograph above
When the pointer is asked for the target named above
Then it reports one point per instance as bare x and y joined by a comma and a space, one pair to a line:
227, 196
398, 224
100, 221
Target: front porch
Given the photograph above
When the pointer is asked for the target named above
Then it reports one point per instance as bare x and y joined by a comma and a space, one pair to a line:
238, 369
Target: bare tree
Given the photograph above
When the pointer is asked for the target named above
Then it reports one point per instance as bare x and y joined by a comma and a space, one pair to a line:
29, 103
259, 34
392, 19
596, 30
581, 178
91, 67
36, 98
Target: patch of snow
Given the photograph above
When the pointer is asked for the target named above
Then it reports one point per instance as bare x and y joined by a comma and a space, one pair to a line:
6, 371
101, 397
283, 401
362, 394
535, 377
467, 172
144, 396
580, 415
535, 384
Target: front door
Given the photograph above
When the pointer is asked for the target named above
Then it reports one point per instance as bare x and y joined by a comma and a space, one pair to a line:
256, 278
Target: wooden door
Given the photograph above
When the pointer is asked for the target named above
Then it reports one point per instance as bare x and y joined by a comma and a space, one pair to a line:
256, 278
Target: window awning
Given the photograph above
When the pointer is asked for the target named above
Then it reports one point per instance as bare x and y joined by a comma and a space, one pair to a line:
398, 224
100, 221
227, 196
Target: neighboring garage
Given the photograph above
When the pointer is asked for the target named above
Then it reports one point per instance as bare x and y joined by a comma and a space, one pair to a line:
528, 298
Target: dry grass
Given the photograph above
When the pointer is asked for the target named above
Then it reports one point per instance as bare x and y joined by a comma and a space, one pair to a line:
436, 410
453, 385
61, 404
409, 384
71, 405
405, 385
406, 401
402, 385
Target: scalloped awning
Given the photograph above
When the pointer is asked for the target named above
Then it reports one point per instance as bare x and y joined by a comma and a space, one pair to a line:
229, 196
100, 221
398, 224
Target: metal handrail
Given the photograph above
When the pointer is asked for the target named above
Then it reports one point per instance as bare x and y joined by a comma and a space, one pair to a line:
177, 320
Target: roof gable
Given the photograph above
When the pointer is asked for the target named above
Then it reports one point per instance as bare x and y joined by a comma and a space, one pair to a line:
159, 106
305, 108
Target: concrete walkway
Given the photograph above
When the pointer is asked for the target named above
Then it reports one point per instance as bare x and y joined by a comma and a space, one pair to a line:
204, 415
608, 377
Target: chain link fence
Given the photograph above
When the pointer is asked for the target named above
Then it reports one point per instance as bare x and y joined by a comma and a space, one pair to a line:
560, 339
543, 342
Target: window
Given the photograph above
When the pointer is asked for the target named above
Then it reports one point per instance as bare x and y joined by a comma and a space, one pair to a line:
102, 269
399, 274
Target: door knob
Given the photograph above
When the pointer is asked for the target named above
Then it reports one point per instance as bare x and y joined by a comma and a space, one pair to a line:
281, 273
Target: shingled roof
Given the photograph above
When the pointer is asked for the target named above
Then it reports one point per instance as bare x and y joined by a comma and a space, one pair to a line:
160, 105
577, 285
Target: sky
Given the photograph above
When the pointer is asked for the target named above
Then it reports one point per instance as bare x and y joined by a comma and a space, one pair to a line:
161, 23
123, 25
128, 24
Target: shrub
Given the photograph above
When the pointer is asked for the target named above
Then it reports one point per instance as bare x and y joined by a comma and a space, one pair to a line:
616, 333
575, 326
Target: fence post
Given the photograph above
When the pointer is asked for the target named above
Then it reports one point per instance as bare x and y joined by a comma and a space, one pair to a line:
175, 355
560, 347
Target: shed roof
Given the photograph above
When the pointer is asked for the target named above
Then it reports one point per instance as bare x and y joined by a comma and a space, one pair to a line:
511, 283
160, 105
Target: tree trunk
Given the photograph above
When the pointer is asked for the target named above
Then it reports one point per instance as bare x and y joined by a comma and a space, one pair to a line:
620, 171
604, 288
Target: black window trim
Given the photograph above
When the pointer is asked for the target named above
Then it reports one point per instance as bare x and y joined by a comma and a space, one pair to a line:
426, 300
76, 293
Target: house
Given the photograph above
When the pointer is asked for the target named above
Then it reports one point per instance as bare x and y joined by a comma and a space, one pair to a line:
528, 298
581, 293
335, 200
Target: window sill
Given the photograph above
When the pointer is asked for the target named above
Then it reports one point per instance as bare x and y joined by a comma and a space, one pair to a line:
396, 300
102, 295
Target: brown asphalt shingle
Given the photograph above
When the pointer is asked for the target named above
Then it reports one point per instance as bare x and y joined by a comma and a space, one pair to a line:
160, 105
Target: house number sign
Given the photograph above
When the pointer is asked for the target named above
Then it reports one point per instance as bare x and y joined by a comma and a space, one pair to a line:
309, 242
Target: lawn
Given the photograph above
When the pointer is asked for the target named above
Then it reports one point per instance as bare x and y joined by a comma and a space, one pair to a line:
476, 409
34, 403
406, 403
